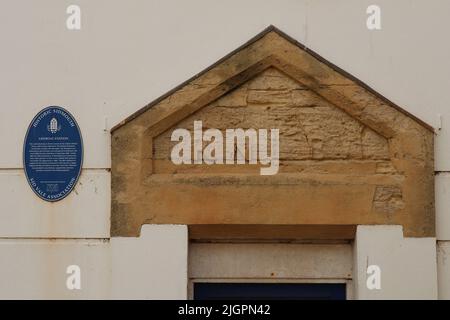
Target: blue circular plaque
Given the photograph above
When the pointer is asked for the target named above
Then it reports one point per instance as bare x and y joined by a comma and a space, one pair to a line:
53, 154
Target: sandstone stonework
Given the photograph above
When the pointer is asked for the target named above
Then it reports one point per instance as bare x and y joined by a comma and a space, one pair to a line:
347, 155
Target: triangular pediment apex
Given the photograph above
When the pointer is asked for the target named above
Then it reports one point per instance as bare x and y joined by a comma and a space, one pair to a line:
270, 48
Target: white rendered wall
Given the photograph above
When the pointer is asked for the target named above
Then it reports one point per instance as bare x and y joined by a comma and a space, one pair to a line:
408, 265
123, 268
130, 52
153, 266
443, 269
442, 189
85, 213
36, 269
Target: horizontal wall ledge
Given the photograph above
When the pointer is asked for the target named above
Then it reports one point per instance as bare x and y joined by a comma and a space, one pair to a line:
271, 232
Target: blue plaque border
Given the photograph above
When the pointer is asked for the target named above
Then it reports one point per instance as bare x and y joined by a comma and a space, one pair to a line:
81, 149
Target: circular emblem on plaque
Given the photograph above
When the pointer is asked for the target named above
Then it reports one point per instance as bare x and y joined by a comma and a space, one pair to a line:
53, 153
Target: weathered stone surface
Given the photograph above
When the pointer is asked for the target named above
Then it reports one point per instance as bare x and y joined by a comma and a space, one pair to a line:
320, 131
388, 199
273, 79
272, 97
374, 146
307, 98
347, 155
236, 98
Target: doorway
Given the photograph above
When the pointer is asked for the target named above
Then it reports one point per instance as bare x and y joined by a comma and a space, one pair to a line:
270, 271
269, 291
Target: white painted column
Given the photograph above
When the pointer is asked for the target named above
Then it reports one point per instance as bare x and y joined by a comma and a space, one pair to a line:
443, 253
153, 266
443, 233
408, 265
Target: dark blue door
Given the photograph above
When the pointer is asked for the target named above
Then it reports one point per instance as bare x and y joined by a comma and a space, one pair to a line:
269, 291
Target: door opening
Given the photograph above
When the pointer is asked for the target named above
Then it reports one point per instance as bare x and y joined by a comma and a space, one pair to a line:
269, 291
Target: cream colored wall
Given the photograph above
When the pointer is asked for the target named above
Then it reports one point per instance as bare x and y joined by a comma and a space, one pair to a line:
122, 268
83, 214
36, 268
129, 53
153, 266
443, 264
407, 265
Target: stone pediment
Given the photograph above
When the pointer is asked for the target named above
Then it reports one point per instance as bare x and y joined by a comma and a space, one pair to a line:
347, 155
